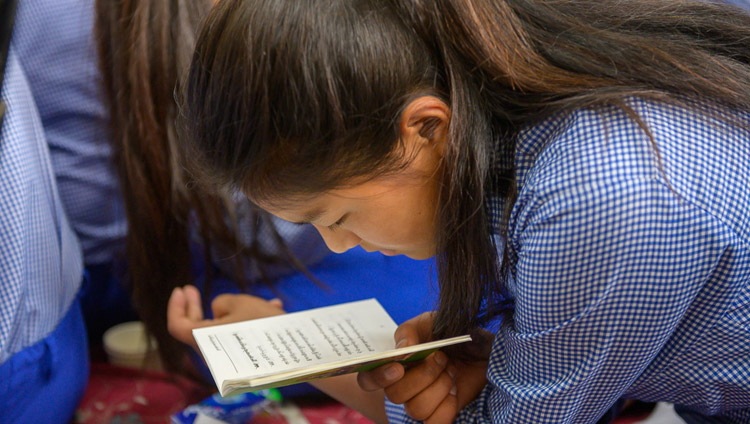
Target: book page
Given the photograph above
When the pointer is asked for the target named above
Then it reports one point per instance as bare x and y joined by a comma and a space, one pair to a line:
298, 340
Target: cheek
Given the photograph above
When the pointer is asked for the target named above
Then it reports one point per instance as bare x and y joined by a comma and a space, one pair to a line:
398, 227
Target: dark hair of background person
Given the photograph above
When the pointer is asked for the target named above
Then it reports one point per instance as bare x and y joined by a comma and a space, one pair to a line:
287, 98
144, 46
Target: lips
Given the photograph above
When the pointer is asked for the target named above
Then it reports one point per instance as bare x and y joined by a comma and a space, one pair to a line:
387, 252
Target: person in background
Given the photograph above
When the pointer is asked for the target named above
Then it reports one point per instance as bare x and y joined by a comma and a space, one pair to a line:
102, 74
579, 168
43, 349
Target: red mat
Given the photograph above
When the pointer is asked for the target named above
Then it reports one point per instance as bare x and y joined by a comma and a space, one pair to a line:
117, 395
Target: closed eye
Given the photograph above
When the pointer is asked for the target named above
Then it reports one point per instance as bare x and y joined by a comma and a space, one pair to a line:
337, 224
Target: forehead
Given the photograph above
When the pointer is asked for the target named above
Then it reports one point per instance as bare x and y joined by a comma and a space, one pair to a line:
296, 210
310, 207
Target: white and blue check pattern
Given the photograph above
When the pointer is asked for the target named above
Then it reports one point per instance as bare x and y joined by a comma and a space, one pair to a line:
55, 44
628, 279
40, 259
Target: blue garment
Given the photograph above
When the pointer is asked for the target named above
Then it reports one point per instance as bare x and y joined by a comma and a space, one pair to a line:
40, 259
630, 271
44, 382
57, 50
43, 352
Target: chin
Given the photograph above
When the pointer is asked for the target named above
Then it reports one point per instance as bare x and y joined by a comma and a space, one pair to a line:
412, 254
420, 256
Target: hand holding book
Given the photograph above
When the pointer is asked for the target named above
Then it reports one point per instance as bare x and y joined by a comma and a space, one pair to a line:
436, 389
304, 346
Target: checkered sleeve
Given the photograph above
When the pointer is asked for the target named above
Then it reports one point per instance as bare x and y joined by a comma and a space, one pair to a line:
604, 273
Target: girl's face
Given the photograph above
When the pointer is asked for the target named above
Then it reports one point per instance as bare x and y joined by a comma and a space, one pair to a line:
394, 214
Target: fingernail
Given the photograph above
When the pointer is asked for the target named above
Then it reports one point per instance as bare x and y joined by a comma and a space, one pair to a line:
441, 359
453, 391
401, 343
391, 373
452, 372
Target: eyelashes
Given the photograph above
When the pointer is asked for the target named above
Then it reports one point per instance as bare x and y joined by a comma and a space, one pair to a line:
337, 224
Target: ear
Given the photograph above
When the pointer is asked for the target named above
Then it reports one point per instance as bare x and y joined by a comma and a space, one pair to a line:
424, 123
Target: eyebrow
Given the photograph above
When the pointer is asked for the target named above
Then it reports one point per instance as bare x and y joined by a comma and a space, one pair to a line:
311, 216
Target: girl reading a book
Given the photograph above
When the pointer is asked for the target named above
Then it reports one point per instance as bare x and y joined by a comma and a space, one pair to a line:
579, 170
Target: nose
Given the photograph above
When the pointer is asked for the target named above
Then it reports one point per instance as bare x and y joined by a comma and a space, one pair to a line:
338, 240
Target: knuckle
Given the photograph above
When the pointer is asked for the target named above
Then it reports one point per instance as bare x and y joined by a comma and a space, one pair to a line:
401, 333
367, 382
433, 368
395, 394
444, 382
444, 414
416, 410
440, 418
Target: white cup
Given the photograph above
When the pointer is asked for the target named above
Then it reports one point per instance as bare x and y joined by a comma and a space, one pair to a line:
126, 345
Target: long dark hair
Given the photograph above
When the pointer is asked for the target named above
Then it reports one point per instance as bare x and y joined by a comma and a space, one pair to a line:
288, 98
144, 48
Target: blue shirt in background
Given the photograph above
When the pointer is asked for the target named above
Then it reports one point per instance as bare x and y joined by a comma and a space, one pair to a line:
43, 349
40, 258
56, 45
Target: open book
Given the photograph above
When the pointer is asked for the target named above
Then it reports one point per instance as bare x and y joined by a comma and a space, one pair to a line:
303, 346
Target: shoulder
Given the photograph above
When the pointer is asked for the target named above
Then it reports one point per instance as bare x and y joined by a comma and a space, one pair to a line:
643, 140
581, 146
605, 204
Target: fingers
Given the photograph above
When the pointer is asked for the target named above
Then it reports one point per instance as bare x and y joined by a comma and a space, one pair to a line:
380, 377
175, 309
222, 305
426, 389
445, 413
185, 313
276, 302
194, 308
179, 325
414, 331
419, 377
429, 400
229, 308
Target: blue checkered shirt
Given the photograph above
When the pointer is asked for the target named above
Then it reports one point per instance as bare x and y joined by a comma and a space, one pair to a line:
626, 281
40, 259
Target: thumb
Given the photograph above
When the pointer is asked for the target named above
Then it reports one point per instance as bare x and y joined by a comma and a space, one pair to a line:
277, 303
194, 309
222, 305
414, 331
